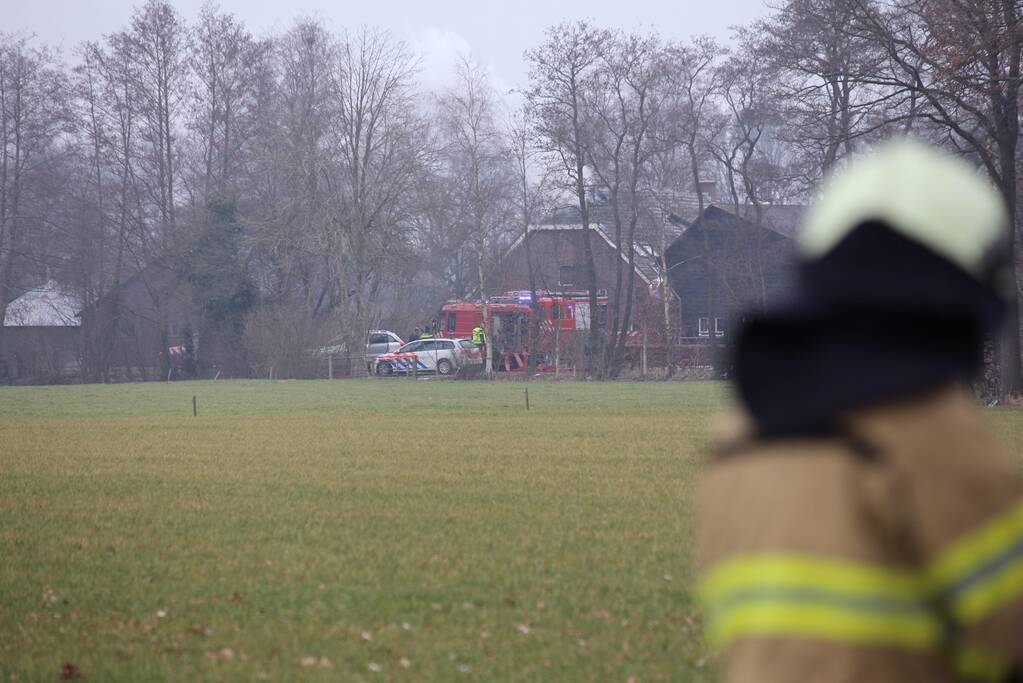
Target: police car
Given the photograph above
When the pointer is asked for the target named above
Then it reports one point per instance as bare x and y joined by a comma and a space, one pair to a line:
430, 356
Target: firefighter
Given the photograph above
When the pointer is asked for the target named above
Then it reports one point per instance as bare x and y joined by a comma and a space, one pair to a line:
426, 334
479, 338
857, 522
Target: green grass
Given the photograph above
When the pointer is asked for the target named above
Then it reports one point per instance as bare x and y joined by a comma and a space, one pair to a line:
343, 530
398, 395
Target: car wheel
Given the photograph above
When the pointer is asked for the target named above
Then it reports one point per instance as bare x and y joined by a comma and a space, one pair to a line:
384, 369
444, 367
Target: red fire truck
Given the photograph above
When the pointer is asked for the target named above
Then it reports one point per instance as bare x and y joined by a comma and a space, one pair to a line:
563, 316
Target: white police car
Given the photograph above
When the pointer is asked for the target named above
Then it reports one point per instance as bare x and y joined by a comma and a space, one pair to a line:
430, 356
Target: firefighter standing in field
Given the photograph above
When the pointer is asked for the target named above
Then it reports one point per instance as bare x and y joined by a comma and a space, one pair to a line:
857, 521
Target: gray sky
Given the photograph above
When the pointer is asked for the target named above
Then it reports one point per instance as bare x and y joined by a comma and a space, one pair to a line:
494, 33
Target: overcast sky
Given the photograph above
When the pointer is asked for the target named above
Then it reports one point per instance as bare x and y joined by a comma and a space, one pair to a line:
494, 33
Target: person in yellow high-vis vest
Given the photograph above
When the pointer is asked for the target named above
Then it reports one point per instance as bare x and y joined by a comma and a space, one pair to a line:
479, 338
857, 520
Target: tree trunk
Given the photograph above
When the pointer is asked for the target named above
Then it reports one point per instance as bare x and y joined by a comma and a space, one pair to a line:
488, 362
707, 258
591, 272
1010, 371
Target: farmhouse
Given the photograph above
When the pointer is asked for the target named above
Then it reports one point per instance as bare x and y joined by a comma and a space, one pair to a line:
719, 263
728, 261
550, 254
41, 336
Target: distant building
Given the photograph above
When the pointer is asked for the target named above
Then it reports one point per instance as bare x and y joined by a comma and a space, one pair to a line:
41, 336
552, 250
728, 261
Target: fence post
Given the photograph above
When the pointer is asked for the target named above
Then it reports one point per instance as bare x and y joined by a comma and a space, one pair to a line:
330, 366
644, 354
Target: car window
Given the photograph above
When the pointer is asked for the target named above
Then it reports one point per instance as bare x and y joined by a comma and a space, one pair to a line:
394, 339
412, 346
379, 339
446, 345
466, 344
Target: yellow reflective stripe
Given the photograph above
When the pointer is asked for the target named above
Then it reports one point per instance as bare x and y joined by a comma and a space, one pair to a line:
802, 595
916, 631
983, 570
795, 595
964, 555
985, 598
977, 664
814, 573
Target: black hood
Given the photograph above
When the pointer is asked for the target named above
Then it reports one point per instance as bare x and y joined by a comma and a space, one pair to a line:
876, 318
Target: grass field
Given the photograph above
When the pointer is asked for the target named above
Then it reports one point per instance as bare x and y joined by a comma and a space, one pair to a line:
354, 530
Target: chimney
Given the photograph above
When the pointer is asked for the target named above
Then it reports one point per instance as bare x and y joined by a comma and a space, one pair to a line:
709, 190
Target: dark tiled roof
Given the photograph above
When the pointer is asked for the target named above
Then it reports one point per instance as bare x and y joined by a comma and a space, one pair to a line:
665, 216
656, 209
783, 219
662, 216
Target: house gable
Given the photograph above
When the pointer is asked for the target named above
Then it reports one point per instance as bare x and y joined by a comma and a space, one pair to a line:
728, 263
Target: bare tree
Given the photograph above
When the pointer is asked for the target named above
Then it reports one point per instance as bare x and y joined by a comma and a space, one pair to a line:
33, 114
157, 37
479, 171
108, 121
686, 137
533, 199
962, 59
751, 100
624, 102
227, 64
91, 257
376, 137
293, 115
825, 78
559, 70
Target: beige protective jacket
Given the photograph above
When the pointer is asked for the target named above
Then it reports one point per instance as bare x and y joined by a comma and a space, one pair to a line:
893, 552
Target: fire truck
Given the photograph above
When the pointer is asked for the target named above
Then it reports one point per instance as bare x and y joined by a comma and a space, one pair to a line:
564, 322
